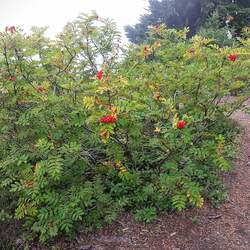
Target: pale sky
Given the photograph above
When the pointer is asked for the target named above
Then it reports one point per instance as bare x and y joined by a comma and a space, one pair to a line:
56, 13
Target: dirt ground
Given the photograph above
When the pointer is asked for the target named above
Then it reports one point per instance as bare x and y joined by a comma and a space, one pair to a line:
224, 228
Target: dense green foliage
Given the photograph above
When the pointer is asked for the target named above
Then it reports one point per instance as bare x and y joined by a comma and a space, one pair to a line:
230, 15
147, 134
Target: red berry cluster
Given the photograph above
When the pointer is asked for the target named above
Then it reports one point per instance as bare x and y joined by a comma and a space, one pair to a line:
11, 29
232, 57
109, 119
181, 124
99, 74
12, 78
40, 89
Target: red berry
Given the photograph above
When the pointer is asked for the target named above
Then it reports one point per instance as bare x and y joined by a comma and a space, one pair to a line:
12, 29
181, 124
40, 89
232, 57
109, 119
157, 96
12, 78
99, 74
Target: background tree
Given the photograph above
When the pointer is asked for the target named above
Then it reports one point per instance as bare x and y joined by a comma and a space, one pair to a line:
226, 22
234, 13
175, 14
193, 14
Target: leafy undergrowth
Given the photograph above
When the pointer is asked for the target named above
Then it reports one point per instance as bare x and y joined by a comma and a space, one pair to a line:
90, 129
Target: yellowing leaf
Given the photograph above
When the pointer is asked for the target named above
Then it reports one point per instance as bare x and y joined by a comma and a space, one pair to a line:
89, 102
